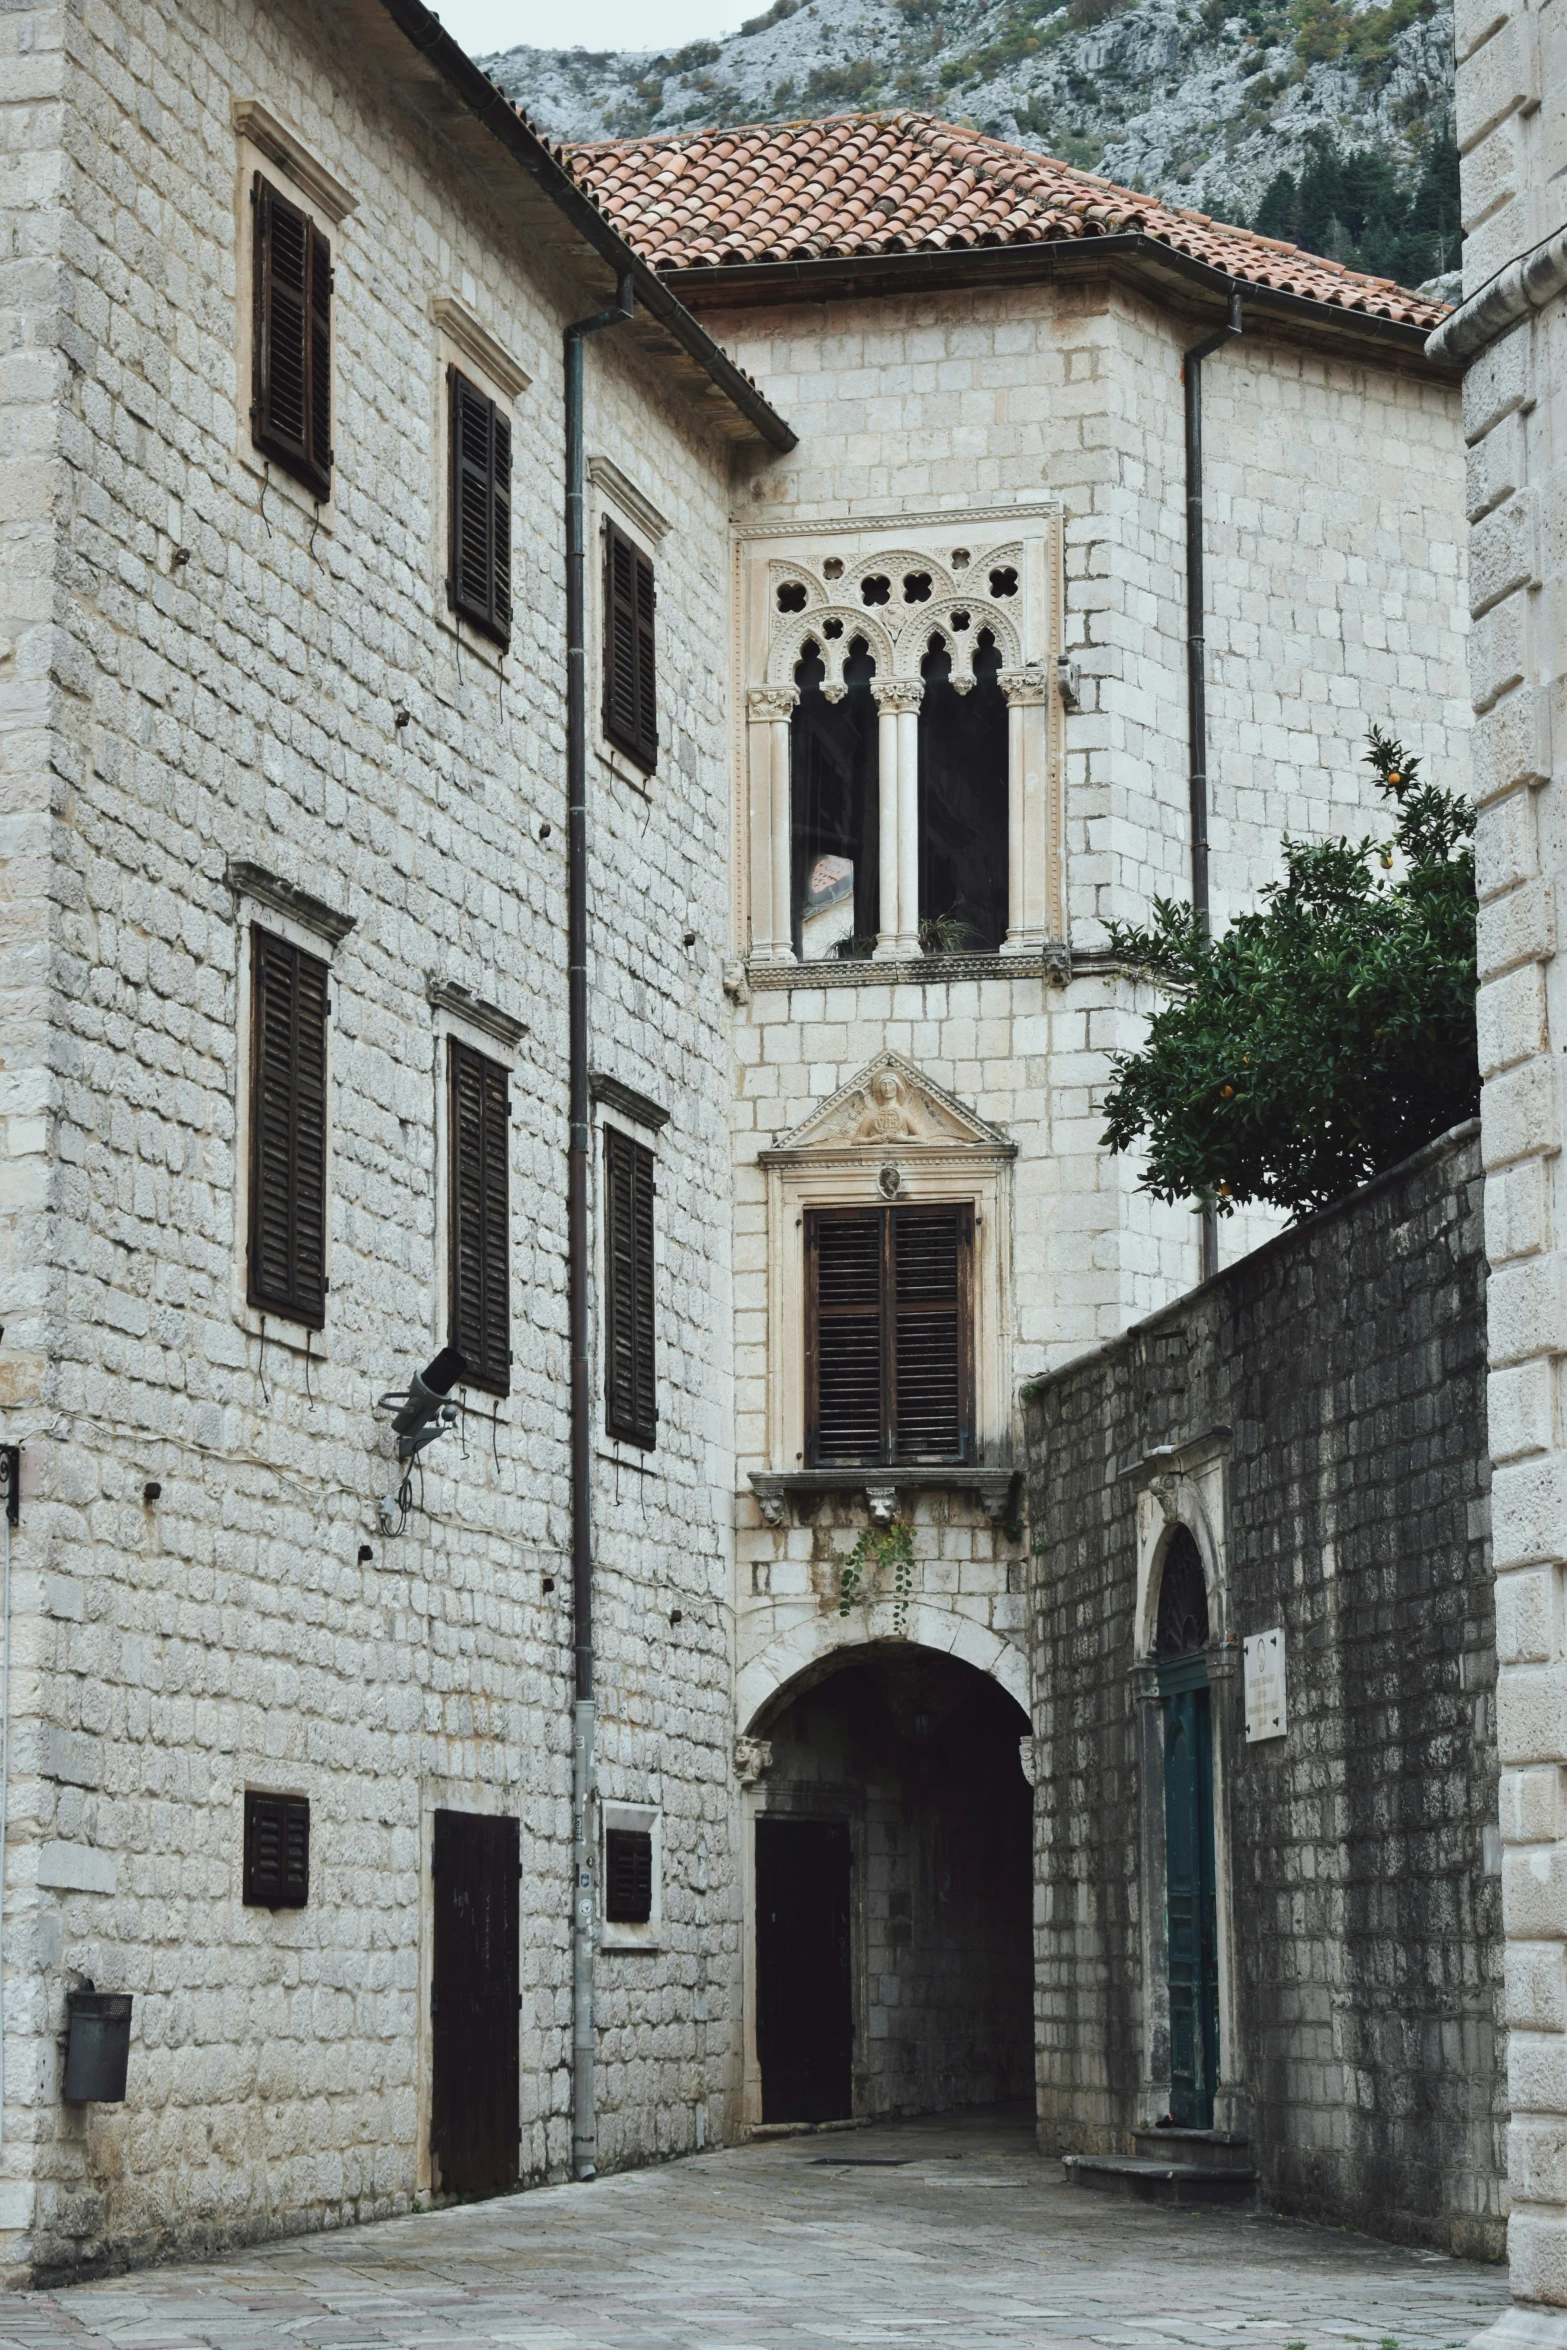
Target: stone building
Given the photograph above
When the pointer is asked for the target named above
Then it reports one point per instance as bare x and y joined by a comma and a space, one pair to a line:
886, 650
1510, 334
1261, 1598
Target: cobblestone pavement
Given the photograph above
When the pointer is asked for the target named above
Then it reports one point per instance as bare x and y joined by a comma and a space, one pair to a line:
795, 2244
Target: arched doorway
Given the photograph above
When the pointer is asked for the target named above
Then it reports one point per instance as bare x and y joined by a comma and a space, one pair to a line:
893, 1890
1191, 1896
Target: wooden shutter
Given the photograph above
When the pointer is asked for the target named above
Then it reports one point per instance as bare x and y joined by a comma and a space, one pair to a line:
628, 1876
478, 1185
888, 1335
630, 1382
287, 1240
845, 1349
480, 583
931, 1253
291, 398
630, 682
277, 1851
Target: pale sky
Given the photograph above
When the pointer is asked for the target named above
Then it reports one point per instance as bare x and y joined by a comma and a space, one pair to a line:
484, 25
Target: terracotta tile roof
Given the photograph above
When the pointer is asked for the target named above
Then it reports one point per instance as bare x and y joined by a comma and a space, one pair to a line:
859, 185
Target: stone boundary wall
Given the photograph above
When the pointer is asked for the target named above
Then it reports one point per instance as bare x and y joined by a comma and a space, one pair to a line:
1333, 1381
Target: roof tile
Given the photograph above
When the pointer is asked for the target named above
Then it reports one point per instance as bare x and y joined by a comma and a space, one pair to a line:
861, 184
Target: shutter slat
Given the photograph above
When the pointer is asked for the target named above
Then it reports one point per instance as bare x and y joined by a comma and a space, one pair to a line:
630, 1354
928, 1339
275, 1869
888, 1335
479, 1222
849, 1415
288, 1131
628, 1876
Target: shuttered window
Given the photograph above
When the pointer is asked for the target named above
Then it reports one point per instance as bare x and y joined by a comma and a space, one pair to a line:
628, 1876
480, 583
479, 1245
889, 1346
291, 396
630, 1392
277, 1851
630, 686
286, 1264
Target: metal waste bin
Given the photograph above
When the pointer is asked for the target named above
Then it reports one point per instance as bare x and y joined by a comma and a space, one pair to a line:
97, 2047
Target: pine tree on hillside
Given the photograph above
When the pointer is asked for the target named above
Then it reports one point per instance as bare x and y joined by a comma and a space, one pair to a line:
1354, 208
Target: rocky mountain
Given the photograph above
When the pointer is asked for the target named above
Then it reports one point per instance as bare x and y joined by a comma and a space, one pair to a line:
1202, 105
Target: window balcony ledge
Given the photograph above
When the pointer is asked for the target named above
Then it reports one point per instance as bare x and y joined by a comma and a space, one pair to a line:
993, 1485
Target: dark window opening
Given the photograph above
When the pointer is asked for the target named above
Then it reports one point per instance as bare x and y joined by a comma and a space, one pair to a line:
291, 356
876, 589
791, 596
1003, 582
630, 668
480, 580
834, 812
628, 1876
963, 805
1183, 1599
888, 1336
277, 1851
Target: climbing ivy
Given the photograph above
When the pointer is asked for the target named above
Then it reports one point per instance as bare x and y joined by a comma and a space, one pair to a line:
878, 1546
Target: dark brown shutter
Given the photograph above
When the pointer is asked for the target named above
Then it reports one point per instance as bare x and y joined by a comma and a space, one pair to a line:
480, 584
291, 398
845, 1373
630, 677
277, 1851
931, 1257
479, 1251
628, 1876
888, 1335
630, 1367
287, 1241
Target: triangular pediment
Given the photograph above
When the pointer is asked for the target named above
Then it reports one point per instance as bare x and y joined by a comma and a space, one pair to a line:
891, 1107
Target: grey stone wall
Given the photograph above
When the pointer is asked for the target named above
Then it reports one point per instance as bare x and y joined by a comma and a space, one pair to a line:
1333, 1384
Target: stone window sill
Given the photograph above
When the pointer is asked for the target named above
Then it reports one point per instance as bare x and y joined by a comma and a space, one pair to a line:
993, 1486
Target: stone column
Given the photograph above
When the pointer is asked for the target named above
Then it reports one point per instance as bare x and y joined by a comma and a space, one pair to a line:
908, 708
1512, 336
886, 698
1028, 844
768, 710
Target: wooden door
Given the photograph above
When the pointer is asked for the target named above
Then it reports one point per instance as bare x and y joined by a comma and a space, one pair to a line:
1190, 1906
804, 2006
473, 2005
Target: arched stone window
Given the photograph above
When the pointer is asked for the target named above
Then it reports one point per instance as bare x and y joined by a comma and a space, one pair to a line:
1182, 1626
834, 828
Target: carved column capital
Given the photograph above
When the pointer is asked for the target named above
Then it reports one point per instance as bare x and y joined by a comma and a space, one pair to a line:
771, 701
898, 696
1024, 688
753, 1760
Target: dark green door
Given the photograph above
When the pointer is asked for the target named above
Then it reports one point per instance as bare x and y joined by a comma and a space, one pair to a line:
1191, 1910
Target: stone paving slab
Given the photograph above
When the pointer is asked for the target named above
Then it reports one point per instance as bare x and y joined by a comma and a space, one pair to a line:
962, 2237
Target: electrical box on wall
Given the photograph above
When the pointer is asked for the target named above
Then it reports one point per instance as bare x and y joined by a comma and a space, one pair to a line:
1263, 1683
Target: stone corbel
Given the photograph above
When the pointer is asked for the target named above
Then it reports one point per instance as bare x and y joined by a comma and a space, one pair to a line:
882, 1502
1029, 1755
772, 1499
1024, 688
995, 1493
753, 1760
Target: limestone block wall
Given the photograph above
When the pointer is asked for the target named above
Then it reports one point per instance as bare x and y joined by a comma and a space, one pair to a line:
1316, 1419
1511, 333
200, 668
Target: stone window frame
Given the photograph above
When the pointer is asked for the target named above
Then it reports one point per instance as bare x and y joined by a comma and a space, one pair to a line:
463, 341
829, 1174
1185, 1486
766, 652
648, 1818
266, 144
266, 900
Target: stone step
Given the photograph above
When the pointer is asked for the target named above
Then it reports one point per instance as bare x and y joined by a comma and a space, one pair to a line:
1209, 2149
1145, 2180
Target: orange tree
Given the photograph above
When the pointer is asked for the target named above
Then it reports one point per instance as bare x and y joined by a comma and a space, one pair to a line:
1325, 1035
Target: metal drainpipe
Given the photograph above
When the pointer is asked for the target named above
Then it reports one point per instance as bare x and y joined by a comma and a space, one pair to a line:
1196, 660
584, 2125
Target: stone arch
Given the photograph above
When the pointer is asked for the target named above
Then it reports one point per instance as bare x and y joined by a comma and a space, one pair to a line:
820, 1640
799, 629
936, 620
1178, 1502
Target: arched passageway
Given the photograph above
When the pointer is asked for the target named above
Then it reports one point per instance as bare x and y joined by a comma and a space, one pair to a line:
893, 1891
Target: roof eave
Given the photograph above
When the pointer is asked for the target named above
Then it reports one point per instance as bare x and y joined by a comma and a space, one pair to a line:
489, 107
1195, 285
